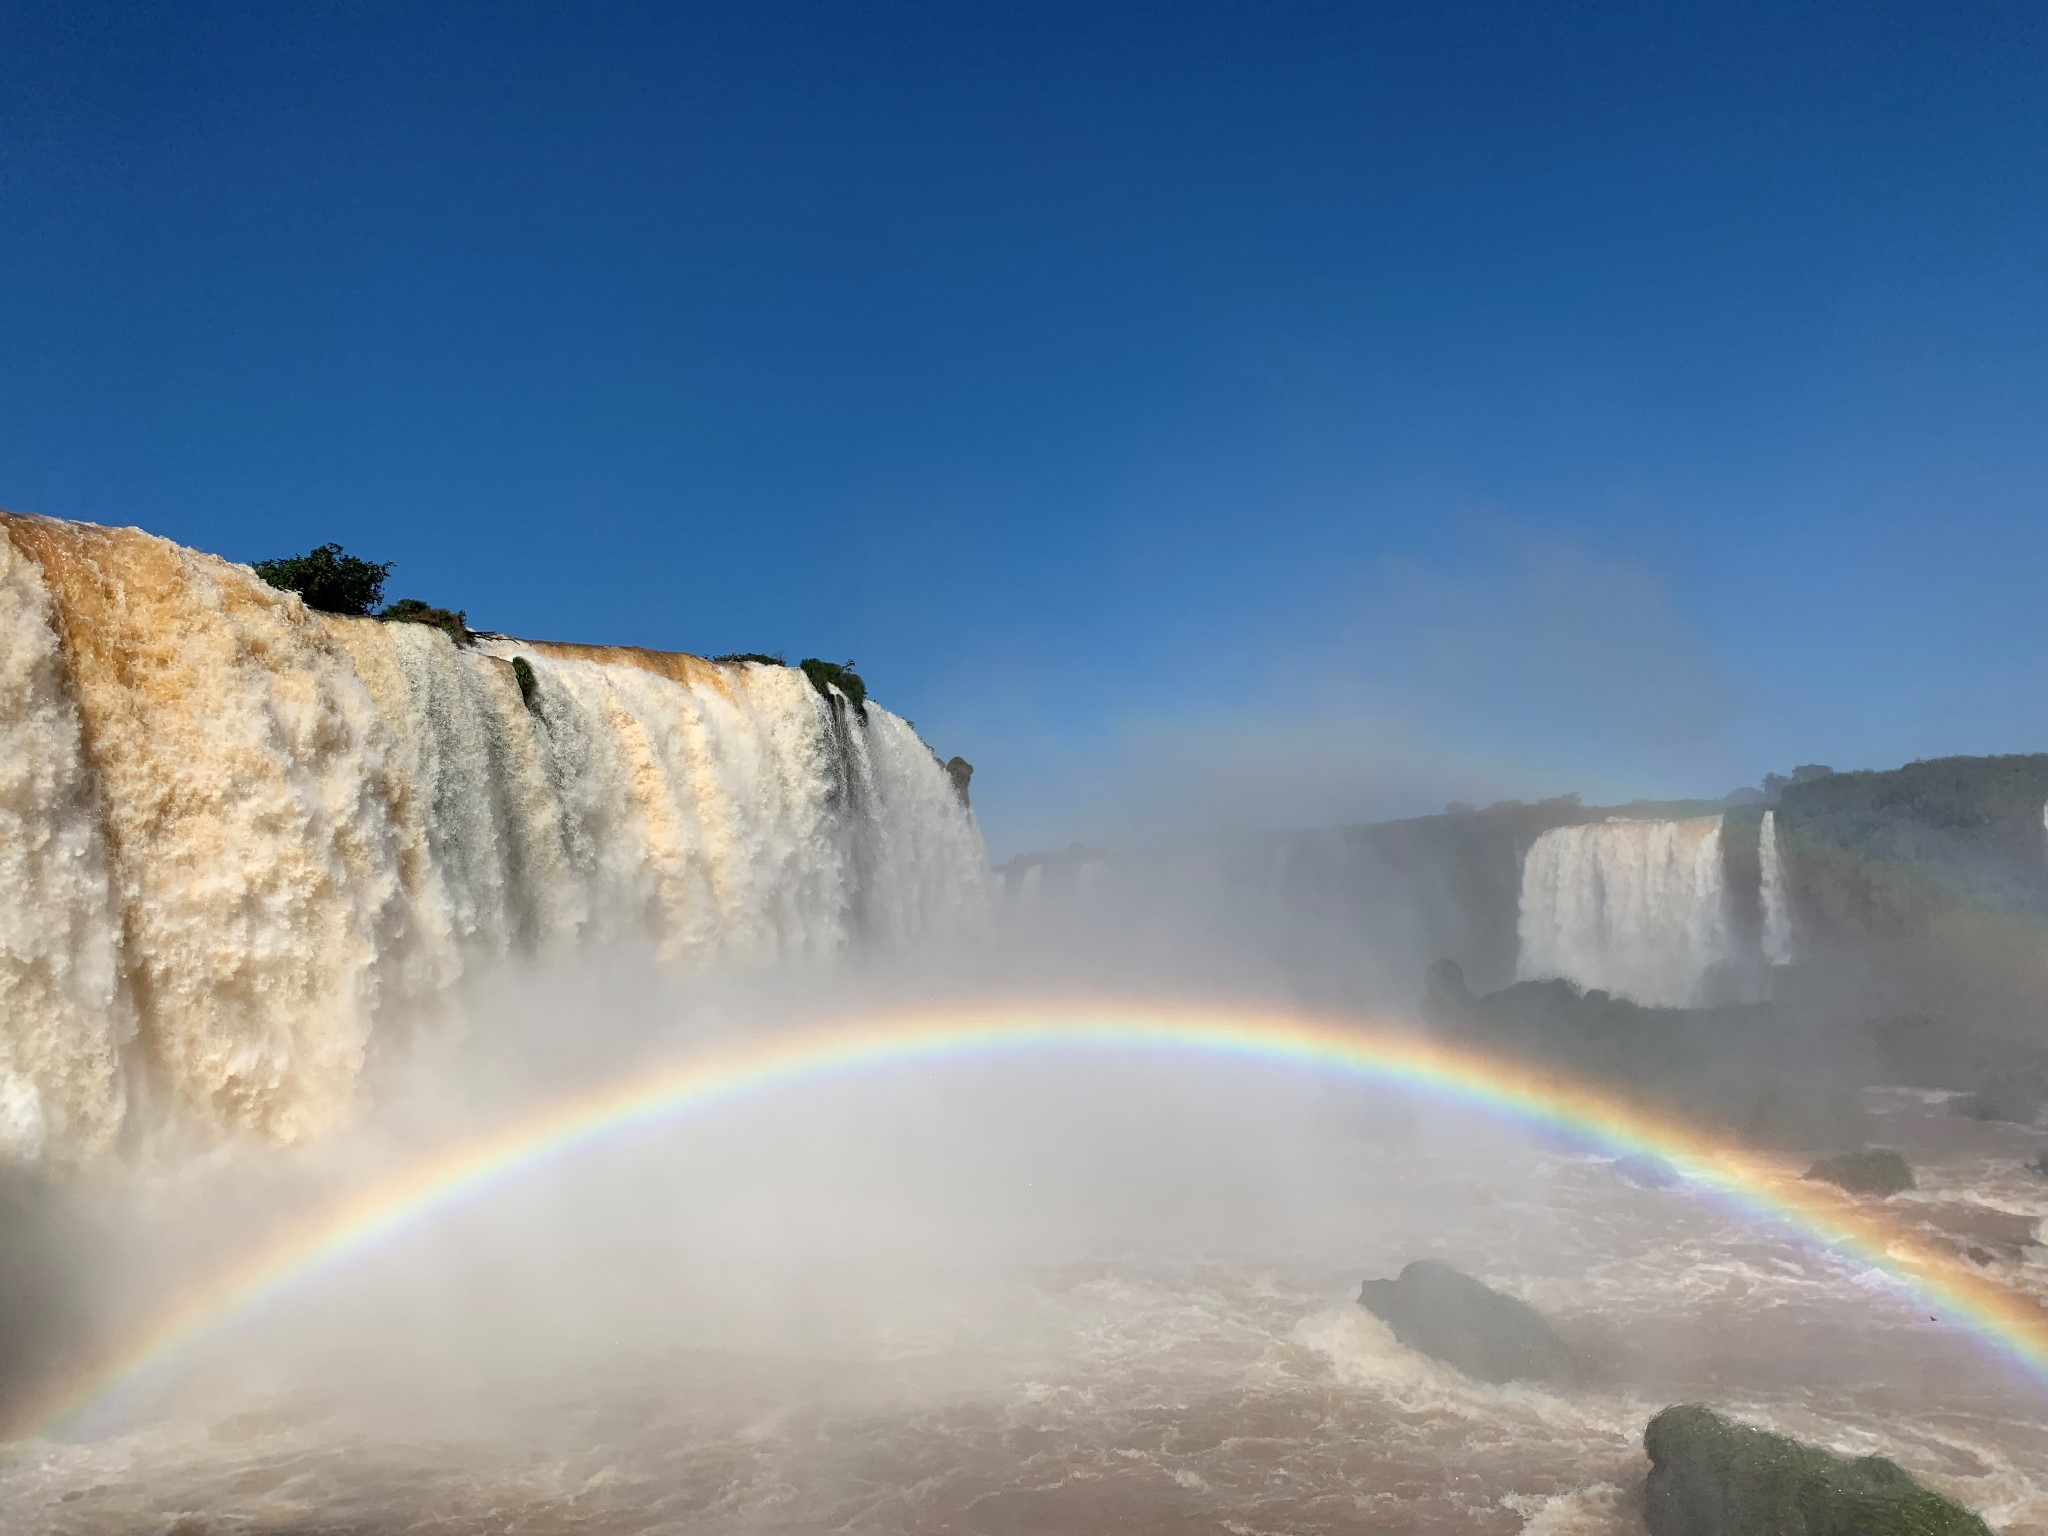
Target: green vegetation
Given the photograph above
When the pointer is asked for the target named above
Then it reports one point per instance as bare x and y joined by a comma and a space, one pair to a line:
529, 685
329, 579
1949, 828
1925, 885
410, 610
825, 676
1710, 1476
1876, 1171
762, 658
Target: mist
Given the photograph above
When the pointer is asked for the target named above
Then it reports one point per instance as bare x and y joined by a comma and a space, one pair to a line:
1038, 1288
317, 905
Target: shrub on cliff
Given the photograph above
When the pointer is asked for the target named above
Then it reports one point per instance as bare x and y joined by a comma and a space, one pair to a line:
451, 621
329, 579
1877, 1171
826, 675
1710, 1476
762, 657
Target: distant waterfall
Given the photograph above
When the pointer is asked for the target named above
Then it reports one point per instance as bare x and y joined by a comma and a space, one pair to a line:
1777, 913
237, 835
1631, 907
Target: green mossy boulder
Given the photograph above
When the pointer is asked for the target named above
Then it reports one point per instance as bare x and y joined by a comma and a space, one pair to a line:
1710, 1476
1875, 1171
529, 685
1444, 1312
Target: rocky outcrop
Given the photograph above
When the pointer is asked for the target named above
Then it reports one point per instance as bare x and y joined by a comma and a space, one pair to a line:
2016, 1100
1443, 1312
1875, 1171
1710, 1476
959, 770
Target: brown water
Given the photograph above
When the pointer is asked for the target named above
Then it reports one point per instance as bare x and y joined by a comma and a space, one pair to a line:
1170, 1384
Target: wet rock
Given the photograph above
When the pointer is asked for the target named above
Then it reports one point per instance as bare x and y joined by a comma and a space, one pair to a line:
959, 770
1710, 1476
1875, 1171
1443, 1312
2040, 1165
2014, 1100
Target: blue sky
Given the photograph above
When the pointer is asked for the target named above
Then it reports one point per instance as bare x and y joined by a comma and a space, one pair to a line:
1260, 413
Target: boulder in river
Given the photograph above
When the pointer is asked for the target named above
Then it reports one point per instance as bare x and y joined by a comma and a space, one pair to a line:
1444, 1312
1710, 1476
1874, 1171
2016, 1100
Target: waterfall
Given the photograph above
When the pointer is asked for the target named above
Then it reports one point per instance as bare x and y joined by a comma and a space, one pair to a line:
238, 838
1632, 907
1777, 912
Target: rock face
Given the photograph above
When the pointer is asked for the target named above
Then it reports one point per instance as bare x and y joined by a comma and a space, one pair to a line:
1444, 1312
1878, 1171
1710, 1476
959, 770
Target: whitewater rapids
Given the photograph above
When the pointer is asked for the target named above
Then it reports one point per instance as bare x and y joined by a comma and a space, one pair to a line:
918, 1338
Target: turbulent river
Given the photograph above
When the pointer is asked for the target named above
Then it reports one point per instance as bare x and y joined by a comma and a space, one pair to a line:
1052, 1301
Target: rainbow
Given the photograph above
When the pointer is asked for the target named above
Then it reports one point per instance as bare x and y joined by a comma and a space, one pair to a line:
301, 1252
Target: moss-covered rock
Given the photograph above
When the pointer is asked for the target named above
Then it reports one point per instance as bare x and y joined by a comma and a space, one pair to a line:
1873, 1171
529, 685
1710, 1476
1444, 1312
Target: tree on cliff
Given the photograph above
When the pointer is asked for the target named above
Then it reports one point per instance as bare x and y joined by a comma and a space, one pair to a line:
329, 579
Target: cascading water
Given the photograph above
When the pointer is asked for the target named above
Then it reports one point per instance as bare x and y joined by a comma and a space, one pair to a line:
1777, 911
1632, 907
235, 834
